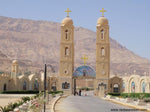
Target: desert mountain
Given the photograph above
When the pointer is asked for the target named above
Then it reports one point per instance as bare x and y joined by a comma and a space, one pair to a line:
33, 42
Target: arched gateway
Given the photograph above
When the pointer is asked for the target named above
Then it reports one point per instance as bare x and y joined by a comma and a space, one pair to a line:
84, 77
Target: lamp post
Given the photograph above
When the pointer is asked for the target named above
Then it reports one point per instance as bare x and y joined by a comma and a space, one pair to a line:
45, 87
45, 75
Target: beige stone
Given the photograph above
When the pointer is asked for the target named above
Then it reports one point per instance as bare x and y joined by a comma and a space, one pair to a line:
66, 66
102, 57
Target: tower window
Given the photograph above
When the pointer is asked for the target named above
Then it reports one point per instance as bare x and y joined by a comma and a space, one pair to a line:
102, 34
66, 33
66, 51
102, 51
66, 72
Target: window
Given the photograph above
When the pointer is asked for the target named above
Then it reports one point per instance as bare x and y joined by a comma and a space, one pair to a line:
66, 72
65, 85
102, 51
133, 87
66, 51
66, 33
116, 88
5, 87
123, 87
24, 85
36, 85
102, 34
143, 87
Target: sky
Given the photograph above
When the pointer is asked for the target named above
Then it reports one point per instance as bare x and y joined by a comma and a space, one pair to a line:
129, 20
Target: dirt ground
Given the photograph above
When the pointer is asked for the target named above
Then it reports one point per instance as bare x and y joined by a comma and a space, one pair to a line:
6, 101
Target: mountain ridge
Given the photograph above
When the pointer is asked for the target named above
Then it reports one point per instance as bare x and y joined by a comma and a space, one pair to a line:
35, 40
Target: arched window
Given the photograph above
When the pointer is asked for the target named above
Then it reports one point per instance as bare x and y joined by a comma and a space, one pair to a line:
36, 85
123, 87
102, 51
5, 87
133, 87
24, 85
66, 51
66, 34
116, 88
143, 87
102, 34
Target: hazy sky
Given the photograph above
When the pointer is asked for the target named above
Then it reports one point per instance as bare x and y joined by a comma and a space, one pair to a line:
129, 20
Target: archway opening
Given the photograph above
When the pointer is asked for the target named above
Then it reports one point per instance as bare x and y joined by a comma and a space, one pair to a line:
5, 87
84, 78
143, 87
116, 88
36, 85
24, 85
133, 87
54, 86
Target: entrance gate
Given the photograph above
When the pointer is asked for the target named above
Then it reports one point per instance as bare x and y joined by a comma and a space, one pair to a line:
83, 78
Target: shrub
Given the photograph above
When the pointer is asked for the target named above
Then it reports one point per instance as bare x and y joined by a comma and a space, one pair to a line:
25, 99
86, 88
55, 92
20, 92
136, 95
114, 94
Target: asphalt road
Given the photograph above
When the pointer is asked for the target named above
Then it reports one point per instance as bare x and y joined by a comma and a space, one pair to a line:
88, 104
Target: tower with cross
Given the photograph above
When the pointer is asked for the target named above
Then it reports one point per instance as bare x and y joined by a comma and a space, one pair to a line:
102, 55
66, 66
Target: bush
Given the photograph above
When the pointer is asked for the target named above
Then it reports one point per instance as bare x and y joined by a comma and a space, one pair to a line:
86, 88
114, 94
20, 92
135, 95
25, 99
12, 106
55, 92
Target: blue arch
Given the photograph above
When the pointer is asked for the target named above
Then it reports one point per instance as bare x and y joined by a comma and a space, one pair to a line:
84, 71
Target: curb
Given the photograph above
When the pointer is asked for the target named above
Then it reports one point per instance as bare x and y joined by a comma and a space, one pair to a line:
55, 101
128, 105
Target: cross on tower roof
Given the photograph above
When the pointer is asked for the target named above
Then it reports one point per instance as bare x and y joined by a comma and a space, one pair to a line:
84, 59
102, 12
68, 12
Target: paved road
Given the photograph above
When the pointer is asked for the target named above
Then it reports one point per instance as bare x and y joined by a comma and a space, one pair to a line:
87, 104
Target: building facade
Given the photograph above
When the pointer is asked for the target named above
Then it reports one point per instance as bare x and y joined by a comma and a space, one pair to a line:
16, 82
130, 84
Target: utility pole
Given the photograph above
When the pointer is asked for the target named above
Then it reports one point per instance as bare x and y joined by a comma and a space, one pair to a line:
45, 87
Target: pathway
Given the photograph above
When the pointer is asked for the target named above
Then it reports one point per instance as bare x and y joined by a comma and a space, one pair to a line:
88, 103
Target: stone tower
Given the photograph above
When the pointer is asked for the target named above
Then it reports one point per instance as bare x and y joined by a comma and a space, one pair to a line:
66, 66
14, 71
102, 57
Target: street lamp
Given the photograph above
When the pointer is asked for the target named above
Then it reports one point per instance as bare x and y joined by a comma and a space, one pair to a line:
45, 71
45, 78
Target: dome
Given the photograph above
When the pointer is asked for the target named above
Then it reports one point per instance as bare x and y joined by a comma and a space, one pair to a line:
67, 20
15, 62
86, 71
102, 21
